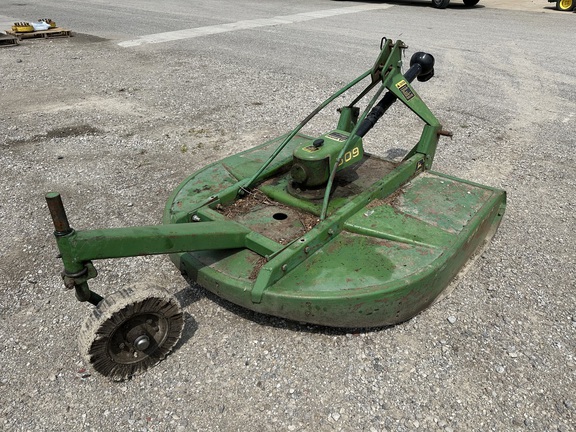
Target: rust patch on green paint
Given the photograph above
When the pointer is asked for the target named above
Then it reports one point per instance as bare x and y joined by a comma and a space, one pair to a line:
270, 218
256, 270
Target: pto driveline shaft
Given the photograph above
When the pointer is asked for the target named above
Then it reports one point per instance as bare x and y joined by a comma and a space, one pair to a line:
421, 64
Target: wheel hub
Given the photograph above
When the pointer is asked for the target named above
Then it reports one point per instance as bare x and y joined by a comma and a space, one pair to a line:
137, 337
142, 343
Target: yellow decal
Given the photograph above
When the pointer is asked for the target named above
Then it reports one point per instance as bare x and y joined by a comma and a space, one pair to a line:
400, 83
349, 155
404, 89
310, 149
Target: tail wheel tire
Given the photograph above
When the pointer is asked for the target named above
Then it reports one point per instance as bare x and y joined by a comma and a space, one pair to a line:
564, 5
471, 3
440, 4
130, 331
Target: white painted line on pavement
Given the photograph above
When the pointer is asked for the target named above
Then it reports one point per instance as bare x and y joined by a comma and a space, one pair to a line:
248, 24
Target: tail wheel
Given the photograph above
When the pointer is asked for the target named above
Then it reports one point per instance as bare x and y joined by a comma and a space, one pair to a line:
471, 3
564, 5
440, 4
130, 331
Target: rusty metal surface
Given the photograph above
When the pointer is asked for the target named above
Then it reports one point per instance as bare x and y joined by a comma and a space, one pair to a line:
274, 220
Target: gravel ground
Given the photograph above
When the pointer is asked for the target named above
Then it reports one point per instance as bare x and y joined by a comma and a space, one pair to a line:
115, 130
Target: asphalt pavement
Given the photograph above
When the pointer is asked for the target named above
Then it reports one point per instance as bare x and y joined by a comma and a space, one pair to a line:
109, 19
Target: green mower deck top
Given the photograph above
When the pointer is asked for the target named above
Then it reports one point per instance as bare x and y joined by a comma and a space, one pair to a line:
383, 255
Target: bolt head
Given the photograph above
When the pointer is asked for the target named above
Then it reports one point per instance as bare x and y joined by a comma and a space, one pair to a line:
142, 343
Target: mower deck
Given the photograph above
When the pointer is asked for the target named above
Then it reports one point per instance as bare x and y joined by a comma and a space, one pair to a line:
390, 259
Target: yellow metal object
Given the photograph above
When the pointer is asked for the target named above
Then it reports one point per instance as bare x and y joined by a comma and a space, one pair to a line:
22, 27
565, 5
